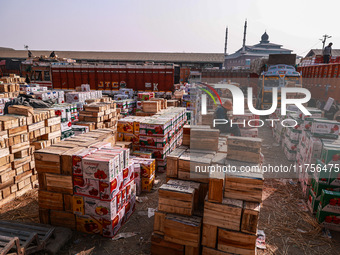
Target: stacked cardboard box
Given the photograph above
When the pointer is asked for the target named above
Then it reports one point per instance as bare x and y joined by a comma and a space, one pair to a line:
105, 191
127, 107
54, 166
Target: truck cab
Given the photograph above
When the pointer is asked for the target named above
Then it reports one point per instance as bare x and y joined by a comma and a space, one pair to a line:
277, 76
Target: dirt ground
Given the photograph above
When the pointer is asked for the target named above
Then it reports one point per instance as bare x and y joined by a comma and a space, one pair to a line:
288, 227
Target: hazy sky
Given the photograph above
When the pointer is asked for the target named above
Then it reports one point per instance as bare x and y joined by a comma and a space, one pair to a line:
166, 26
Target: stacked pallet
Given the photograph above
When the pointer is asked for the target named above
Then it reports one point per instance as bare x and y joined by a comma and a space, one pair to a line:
103, 114
55, 166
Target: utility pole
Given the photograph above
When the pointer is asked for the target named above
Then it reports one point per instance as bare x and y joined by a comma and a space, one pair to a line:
226, 41
325, 37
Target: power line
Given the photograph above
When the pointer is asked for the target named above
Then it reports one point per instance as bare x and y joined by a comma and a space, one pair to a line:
309, 48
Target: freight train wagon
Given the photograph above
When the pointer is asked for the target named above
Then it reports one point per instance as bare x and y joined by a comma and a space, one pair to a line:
322, 80
113, 77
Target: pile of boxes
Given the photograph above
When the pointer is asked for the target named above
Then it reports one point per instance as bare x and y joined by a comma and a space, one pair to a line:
103, 114
208, 212
191, 100
159, 134
313, 144
9, 89
21, 131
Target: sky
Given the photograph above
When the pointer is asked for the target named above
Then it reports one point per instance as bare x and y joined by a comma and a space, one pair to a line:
166, 25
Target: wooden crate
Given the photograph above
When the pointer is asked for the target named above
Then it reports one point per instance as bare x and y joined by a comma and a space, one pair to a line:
183, 230
226, 214
176, 199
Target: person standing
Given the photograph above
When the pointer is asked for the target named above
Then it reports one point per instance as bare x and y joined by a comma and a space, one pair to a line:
327, 53
221, 112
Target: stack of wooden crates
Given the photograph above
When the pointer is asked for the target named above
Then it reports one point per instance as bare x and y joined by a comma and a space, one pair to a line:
210, 213
19, 130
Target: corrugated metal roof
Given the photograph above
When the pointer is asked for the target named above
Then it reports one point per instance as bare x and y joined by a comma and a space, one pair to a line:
313, 52
122, 56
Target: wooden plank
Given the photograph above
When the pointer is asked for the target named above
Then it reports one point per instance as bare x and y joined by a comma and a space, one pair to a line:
248, 188
172, 162
161, 247
44, 216
226, 215
216, 186
189, 250
18, 147
158, 226
209, 235
250, 217
210, 251
63, 219
182, 230
50, 200
66, 160
17, 131
21, 110
59, 183
236, 242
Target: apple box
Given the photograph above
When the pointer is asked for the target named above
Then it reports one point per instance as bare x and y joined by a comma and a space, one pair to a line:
111, 227
325, 128
331, 155
100, 167
103, 209
77, 160
86, 187
89, 224
108, 190
328, 220
330, 201
78, 205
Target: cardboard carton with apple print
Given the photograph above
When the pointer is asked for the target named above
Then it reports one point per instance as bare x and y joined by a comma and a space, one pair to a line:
325, 128
113, 153
78, 205
125, 126
317, 188
308, 122
153, 142
89, 224
108, 190
327, 174
328, 220
77, 161
147, 183
86, 187
331, 155
103, 209
330, 201
101, 168
312, 202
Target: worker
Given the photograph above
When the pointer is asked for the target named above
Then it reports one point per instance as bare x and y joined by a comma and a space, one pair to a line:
52, 55
327, 53
222, 113
27, 80
30, 54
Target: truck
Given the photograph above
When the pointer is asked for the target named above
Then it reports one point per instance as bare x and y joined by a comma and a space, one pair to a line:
106, 77
277, 76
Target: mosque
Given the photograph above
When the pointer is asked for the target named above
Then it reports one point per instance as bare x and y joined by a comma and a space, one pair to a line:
241, 59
